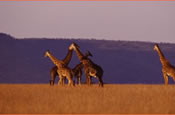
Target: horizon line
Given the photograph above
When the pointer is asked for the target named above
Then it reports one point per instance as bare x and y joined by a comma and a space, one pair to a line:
81, 38
88, 0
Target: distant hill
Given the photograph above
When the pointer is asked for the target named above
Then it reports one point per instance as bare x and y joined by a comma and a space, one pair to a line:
5, 37
22, 60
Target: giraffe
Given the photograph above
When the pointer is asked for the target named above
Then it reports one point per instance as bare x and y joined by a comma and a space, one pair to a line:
53, 71
91, 69
63, 69
167, 68
77, 71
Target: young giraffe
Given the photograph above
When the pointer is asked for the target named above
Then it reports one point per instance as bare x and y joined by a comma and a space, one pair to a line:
77, 71
167, 68
53, 71
63, 69
90, 68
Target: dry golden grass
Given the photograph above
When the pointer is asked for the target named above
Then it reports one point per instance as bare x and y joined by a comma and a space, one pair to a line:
42, 98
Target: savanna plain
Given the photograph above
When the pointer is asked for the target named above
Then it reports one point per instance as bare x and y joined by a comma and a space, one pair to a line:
112, 98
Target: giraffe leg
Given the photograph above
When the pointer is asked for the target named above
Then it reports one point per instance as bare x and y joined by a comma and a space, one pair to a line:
87, 78
60, 77
76, 79
79, 78
165, 78
79, 81
60, 80
53, 76
63, 81
51, 82
70, 82
100, 81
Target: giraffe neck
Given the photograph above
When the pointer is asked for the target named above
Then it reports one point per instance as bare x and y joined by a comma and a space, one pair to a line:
79, 66
162, 57
79, 54
68, 57
57, 62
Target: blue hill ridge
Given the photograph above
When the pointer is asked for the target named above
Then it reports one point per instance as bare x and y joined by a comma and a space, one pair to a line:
124, 62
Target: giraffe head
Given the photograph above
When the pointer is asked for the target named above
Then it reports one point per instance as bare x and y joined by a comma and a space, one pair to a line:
73, 46
46, 53
156, 47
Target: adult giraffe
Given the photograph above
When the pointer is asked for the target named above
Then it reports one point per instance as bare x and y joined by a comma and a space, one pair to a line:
77, 70
167, 68
63, 70
90, 68
53, 71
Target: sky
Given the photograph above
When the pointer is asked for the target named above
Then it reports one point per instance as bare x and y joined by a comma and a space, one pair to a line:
111, 20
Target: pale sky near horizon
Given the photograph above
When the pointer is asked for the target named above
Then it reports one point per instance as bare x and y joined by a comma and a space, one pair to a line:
111, 20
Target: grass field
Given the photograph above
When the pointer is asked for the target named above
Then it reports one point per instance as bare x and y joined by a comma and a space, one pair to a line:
42, 98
